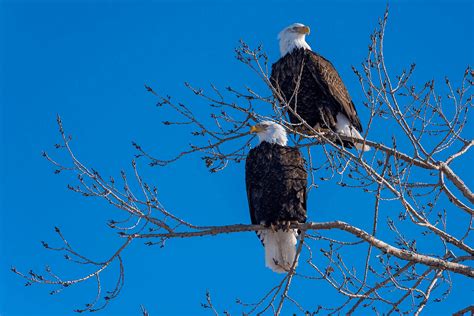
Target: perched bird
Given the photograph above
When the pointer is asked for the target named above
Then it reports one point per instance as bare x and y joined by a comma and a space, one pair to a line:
276, 178
310, 85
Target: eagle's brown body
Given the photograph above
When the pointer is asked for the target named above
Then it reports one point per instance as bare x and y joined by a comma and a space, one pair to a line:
276, 181
311, 86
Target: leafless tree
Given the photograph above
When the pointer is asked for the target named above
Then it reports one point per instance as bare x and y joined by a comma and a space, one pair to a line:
411, 175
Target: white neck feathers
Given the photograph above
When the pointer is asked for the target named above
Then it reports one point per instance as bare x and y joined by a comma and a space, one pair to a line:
290, 41
274, 134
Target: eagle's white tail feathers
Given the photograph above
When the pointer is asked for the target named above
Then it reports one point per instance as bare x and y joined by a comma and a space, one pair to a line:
344, 127
280, 249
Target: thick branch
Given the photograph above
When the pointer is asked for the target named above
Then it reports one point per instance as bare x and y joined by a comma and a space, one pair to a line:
377, 243
457, 182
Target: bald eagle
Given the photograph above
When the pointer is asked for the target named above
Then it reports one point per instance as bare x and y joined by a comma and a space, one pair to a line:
311, 86
276, 178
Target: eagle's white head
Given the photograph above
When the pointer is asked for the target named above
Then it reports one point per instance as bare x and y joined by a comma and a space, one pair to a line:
293, 37
268, 131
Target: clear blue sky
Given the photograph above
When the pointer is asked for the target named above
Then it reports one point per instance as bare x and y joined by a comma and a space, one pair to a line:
89, 60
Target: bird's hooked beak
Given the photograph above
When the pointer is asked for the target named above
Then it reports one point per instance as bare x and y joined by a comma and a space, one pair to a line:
303, 29
255, 129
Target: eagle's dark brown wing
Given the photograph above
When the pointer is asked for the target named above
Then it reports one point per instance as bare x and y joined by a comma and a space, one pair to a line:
325, 73
311, 86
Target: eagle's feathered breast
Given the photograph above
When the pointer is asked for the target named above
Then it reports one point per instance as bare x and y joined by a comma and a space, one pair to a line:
312, 87
276, 181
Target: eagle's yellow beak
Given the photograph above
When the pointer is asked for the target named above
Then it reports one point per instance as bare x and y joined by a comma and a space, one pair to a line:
304, 30
255, 129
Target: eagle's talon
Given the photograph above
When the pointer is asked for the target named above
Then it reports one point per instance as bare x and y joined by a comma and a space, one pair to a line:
281, 225
273, 227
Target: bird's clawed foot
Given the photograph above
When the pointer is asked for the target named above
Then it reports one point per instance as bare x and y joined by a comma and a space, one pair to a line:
294, 223
273, 227
285, 225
